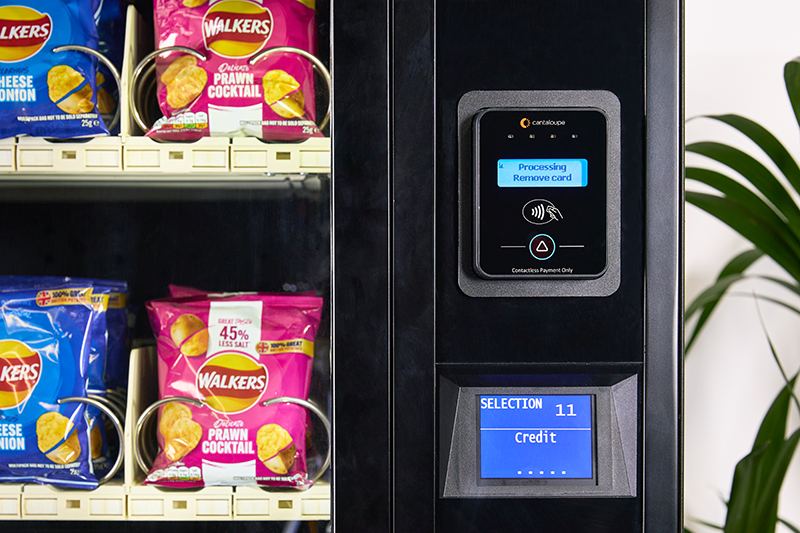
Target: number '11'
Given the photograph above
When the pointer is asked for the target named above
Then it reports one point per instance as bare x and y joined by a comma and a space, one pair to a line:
561, 410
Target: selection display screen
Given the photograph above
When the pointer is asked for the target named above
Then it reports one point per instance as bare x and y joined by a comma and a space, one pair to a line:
542, 172
536, 436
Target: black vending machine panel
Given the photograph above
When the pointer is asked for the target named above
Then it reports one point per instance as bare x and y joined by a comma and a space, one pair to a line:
519, 207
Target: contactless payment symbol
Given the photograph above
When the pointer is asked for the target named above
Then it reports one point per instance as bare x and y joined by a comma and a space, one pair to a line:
541, 212
542, 247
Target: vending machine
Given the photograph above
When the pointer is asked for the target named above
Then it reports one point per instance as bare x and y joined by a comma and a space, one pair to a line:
520, 270
488, 202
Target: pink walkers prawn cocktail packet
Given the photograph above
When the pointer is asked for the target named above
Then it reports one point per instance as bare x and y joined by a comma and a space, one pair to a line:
224, 95
233, 352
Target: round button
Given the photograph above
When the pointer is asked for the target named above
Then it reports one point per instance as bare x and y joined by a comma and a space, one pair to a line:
542, 247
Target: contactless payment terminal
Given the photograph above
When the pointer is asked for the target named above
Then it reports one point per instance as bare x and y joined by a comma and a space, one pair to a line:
540, 193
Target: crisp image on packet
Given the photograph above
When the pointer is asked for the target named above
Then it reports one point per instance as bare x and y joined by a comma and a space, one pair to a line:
254, 347
224, 95
43, 93
45, 335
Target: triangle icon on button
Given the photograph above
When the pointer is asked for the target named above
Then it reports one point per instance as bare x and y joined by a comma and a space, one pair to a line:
542, 247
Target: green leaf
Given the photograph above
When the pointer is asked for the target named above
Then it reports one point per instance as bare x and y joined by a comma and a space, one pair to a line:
709, 524
789, 383
768, 498
773, 427
768, 299
790, 526
791, 75
708, 300
712, 294
740, 511
783, 283
754, 172
769, 239
741, 262
758, 478
741, 195
768, 143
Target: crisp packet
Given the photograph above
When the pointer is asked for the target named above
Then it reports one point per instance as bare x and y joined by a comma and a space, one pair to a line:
180, 291
233, 352
120, 326
108, 360
111, 32
224, 95
108, 344
108, 363
44, 356
43, 93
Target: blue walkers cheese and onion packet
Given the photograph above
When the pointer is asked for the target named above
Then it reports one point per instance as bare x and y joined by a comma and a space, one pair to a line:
44, 93
108, 351
45, 338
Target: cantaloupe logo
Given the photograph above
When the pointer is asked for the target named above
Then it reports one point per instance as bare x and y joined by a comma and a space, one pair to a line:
20, 368
232, 382
236, 28
23, 32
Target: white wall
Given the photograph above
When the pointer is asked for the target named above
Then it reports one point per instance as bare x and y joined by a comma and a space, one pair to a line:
735, 52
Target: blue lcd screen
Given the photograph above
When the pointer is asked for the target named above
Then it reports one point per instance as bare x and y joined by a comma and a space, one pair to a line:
536, 437
542, 172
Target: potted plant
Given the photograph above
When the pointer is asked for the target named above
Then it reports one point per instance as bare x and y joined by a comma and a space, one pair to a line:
762, 209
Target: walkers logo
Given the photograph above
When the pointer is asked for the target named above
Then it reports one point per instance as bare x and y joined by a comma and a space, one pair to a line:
20, 368
23, 32
231, 382
236, 28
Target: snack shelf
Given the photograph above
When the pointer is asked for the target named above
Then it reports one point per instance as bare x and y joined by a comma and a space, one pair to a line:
228, 503
43, 502
10, 501
148, 502
7, 155
142, 159
118, 501
125, 498
132, 156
